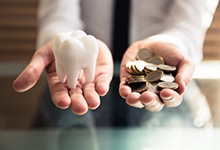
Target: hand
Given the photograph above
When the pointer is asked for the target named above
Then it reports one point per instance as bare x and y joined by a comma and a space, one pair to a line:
150, 100
81, 98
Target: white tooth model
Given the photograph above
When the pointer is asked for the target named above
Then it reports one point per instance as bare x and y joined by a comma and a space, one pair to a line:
75, 52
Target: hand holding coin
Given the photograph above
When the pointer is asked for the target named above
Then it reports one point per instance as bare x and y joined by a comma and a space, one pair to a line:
154, 74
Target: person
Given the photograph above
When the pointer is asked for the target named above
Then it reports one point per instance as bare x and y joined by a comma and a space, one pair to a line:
173, 29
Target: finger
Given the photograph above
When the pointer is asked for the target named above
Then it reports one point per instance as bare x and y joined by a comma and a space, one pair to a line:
34, 69
133, 100
78, 103
91, 96
104, 69
59, 93
102, 83
184, 75
170, 98
124, 90
151, 101
132, 50
28, 78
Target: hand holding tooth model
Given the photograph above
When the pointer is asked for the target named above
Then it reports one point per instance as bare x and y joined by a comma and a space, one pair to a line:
75, 52
64, 58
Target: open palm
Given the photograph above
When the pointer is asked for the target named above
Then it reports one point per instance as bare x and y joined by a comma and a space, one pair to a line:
80, 99
172, 56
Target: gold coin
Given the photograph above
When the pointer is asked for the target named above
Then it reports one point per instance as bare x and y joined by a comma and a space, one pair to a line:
168, 85
166, 68
128, 67
139, 87
167, 78
134, 69
155, 60
139, 65
150, 73
144, 54
135, 79
150, 67
154, 76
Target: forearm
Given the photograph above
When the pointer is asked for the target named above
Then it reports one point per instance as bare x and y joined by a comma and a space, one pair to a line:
186, 26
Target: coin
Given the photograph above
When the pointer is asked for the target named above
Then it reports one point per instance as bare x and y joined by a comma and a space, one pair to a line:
139, 65
168, 85
154, 76
150, 67
134, 69
128, 66
167, 78
166, 68
139, 86
144, 54
150, 73
155, 60
135, 79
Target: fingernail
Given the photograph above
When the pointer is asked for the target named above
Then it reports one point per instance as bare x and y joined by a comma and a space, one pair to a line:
138, 105
173, 102
62, 105
167, 98
154, 106
151, 103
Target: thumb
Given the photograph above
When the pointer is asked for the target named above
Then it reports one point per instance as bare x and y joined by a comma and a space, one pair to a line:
27, 79
31, 74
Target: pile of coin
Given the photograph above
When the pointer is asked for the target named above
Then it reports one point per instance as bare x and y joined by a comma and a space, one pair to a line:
150, 73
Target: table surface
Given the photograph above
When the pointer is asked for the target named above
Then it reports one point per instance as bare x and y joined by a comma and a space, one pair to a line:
111, 139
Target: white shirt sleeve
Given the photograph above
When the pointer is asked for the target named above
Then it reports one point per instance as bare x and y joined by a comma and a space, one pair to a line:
56, 16
186, 26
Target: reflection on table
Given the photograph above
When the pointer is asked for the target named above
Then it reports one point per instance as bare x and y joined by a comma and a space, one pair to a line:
112, 139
